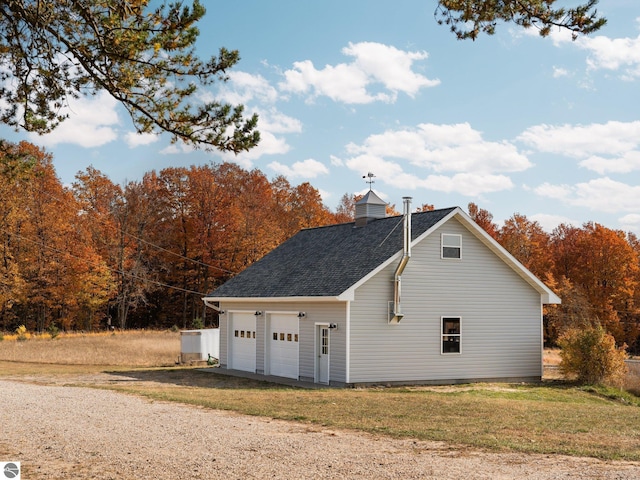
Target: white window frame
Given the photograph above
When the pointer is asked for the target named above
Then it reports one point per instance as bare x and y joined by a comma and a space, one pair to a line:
444, 243
444, 334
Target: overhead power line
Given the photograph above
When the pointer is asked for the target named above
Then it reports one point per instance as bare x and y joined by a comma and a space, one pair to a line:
146, 242
113, 270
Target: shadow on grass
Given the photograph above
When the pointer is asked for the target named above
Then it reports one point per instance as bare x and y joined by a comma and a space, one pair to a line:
192, 377
213, 378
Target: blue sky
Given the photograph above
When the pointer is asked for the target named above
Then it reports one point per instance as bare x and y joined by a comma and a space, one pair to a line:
545, 127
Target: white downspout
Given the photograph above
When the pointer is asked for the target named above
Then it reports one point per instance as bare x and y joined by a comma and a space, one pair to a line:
406, 255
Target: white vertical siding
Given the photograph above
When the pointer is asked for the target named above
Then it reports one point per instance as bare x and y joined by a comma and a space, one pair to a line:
501, 318
316, 312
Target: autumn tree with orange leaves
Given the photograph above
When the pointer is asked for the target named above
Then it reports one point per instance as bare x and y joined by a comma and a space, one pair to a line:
143, 254
603, 264
51, 272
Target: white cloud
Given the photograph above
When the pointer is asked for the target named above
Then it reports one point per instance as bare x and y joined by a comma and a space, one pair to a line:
443, 148
90, 124
309, 168
550, 222
630, 222
576, 141
271, 124
373, 64
468, 184
91, 119
557, 192
343, 83
605, 53
258, 96
392, 173
336, 161
269, 145
325, 195
274, 121
385, 170
560, 72
559, 36
613, 54
242, 88
178, 148
413, 158
625, 163
604, 147
390, 66
601, 194
135, 139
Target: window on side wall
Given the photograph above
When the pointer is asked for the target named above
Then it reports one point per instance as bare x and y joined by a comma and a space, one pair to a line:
451, 334
451, 245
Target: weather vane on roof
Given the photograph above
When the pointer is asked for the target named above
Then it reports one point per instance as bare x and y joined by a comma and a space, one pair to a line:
371, 180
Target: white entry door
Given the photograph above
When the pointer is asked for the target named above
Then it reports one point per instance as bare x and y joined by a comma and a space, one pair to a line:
322, 354
242, 342
283, 345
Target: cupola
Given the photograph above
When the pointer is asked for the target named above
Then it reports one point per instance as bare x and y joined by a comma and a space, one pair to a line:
370, 207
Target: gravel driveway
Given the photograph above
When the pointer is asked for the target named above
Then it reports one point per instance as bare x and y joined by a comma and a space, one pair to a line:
62, 432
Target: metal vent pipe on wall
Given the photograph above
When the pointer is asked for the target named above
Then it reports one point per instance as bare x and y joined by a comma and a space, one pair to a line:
397, 314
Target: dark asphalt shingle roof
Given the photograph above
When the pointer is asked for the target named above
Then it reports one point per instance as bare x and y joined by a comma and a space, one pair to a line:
325, 261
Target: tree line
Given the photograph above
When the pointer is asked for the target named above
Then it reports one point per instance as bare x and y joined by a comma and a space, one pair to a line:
142, 255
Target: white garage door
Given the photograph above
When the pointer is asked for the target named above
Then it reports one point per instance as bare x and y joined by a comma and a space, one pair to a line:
242, 342
283, 345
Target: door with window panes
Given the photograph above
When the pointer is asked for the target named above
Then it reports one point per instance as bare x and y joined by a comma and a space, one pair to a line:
322, 356
242, 342
283, 345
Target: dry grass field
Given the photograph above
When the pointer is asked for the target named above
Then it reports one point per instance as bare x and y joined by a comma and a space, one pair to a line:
130, 348
555, 417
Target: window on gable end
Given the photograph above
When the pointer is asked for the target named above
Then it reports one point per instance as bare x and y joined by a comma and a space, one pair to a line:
451, 245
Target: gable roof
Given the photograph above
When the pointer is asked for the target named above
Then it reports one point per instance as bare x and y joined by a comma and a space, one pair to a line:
325, 261
333, 261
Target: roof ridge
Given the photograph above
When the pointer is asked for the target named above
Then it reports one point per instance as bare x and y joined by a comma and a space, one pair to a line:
378, 219
325, 261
